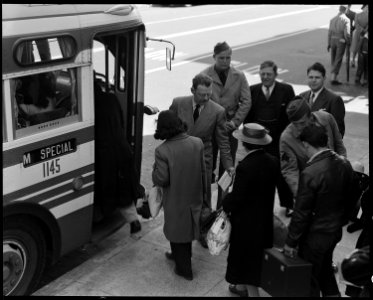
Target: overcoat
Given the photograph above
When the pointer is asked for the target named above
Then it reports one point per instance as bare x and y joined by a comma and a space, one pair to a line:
234, 96
210, 124
330, 102
179, 169
251, 206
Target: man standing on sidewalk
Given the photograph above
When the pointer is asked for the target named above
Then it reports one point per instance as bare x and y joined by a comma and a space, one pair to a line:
320, 97
231, 90
321, 209
338, 39
293, 156
269, 101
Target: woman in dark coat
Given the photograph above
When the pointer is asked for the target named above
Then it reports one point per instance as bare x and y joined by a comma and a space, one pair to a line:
250, 205
180, 170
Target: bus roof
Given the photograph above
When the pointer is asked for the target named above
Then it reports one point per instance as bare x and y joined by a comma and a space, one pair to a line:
81, 21
26, 19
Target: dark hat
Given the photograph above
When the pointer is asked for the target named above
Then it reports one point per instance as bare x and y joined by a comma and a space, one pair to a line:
220, 47
167, 119
297, 108
253, 133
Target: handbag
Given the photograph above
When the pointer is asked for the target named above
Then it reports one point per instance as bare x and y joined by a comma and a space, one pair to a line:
219, 234
155, 200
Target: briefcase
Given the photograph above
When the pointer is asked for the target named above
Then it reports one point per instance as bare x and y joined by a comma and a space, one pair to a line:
283, 276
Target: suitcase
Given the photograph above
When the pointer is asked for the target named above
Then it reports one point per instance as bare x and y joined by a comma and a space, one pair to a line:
283, 276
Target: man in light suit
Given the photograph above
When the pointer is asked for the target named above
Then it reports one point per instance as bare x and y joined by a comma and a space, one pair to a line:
269, 101
205, 119
320, 98
231, 90
338, 39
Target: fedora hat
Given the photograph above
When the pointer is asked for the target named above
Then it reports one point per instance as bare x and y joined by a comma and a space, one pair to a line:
253, 133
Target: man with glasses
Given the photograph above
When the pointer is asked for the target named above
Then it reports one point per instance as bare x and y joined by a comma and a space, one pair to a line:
205, 119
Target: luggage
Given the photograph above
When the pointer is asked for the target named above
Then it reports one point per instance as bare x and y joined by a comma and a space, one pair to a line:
283, 276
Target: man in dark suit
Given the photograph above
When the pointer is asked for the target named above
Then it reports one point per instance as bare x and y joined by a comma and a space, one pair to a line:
321, 98
269, 101
205, 119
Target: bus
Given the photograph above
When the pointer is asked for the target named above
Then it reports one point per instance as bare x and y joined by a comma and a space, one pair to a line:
53, 57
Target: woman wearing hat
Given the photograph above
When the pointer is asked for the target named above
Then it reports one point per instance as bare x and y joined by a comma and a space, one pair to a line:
178, 158
250, 205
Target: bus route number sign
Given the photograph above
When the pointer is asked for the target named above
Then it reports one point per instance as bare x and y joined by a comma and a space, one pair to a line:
49, 153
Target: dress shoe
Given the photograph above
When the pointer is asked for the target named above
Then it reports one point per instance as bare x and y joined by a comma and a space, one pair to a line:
170, 256
186, 276
288, 212
234, 290
135, 226
335, 82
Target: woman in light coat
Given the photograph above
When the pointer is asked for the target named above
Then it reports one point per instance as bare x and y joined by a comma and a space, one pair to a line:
179, 169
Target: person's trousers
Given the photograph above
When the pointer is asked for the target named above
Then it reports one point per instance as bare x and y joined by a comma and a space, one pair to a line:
337, 50
182, 253
317, 248
285, 194
362, 67
233, 142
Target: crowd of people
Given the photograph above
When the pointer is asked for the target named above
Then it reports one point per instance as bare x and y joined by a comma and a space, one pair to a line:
294, 144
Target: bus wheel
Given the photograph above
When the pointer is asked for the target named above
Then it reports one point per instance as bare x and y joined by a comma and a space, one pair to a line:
24, 256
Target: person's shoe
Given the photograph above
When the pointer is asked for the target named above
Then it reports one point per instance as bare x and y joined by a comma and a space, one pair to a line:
135, 226
186, 276
203, 243
234, 290
144, 210
335, 82
364, 84
288, 212
357, 81
170, 256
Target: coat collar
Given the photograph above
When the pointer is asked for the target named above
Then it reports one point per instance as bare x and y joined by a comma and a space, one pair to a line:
320, 156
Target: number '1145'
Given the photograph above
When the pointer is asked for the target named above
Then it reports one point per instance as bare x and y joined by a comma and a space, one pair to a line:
51, 167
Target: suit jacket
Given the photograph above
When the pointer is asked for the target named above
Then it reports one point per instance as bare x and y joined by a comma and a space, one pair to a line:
234, 96
180, 169
323, 197
281, 95
330, 102
210, 124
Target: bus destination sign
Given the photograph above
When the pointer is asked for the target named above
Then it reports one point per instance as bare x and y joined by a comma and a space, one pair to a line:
49, 152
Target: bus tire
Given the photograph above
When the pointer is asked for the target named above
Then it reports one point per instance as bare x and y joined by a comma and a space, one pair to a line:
24, 256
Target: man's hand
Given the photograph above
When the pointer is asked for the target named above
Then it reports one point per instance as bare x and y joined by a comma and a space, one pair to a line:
289, 251
231, 171
328, 48
230, 126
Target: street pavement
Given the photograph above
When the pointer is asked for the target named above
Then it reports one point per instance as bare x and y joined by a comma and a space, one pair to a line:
125, 265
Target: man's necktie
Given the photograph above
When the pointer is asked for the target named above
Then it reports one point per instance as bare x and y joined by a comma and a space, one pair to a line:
312, 97
196, 112
267, 93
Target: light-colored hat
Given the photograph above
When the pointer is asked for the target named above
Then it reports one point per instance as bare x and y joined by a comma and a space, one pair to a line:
253, 133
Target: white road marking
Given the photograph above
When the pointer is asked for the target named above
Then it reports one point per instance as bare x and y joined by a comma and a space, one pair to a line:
201, 16
174, 35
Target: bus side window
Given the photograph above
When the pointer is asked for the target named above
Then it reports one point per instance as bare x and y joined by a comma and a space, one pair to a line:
44, 97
